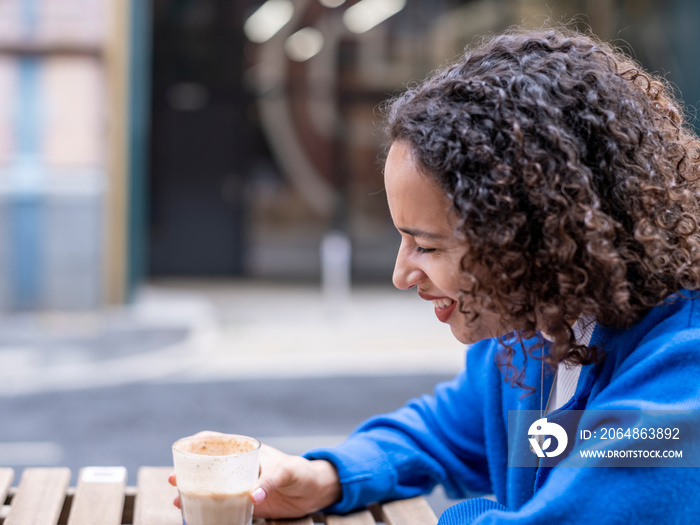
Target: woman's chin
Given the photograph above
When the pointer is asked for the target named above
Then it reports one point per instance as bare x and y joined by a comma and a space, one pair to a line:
478, 328
465, 336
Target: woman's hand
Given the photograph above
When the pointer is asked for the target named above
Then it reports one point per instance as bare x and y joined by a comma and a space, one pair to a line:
292, 486
289, 486
173, 481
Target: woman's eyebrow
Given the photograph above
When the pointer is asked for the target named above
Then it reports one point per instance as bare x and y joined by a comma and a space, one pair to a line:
414, 232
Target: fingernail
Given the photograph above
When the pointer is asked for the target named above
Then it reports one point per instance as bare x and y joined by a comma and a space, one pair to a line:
258, 495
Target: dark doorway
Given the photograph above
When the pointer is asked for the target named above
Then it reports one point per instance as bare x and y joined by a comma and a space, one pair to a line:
202, 139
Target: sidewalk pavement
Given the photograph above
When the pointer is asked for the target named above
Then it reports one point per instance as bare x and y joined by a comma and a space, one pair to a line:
194, 331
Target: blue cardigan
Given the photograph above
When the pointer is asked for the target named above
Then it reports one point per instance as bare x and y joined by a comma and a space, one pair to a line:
458, 437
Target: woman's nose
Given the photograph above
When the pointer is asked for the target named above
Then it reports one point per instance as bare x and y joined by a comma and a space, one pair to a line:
406, 273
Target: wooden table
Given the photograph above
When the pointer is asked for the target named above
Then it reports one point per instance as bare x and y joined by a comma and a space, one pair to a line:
43, 497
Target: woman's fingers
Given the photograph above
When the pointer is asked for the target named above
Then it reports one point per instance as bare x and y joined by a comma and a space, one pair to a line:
173, 481
274, 473
258, 495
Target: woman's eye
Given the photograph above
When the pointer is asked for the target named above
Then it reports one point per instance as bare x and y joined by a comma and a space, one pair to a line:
420, 249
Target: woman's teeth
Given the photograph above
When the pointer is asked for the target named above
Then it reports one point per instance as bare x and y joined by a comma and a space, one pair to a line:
442, 303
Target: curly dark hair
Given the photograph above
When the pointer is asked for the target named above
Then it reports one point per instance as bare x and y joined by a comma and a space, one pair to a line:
574, 178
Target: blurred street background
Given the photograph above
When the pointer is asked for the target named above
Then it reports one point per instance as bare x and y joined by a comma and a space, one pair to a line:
193, 229
277, 361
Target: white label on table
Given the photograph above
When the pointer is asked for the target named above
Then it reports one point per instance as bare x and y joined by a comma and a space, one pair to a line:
103, 475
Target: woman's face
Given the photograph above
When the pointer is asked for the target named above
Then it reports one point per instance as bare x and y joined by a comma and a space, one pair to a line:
430, 254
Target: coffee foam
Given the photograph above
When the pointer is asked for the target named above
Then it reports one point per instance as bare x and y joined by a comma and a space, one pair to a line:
216, 445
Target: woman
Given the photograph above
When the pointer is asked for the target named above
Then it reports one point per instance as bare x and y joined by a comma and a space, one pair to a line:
546, 193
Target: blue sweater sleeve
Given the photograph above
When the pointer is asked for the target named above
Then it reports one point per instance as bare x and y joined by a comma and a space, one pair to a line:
434, 439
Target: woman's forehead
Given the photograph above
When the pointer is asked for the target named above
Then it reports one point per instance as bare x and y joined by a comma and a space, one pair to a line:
416, 202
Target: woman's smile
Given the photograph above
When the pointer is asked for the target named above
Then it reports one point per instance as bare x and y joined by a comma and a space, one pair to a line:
444, 306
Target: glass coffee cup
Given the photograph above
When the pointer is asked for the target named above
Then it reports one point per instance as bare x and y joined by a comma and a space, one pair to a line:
215, 473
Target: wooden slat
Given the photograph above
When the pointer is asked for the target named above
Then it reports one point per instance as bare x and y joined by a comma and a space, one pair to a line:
40, 496
414, 511
154, 498
99, 497
363, 517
